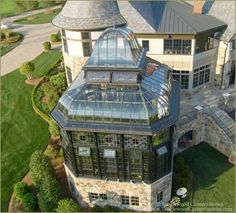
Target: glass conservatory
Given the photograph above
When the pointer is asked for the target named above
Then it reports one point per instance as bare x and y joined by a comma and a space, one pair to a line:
117, 116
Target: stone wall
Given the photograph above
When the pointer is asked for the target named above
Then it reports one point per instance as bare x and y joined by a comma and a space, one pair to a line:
75, 63
147, 193
207, 130
217, 138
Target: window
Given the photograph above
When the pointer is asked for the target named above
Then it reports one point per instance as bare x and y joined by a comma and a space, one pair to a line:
98, 76
182, 76
161, 151
159, 197
135, 201
145, 44
109, 153
161, 136
86, 43
87, 49
177, 46
85, 35
84, 138
135, 141
201, 75
69, 74
205, 42
65, 45
125, 200
103, 196
84, 151
96, 196
113, 140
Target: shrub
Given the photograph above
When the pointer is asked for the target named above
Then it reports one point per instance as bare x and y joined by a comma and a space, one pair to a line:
54, 38
54, 131
20, 189
7, 33
47, 46
58, 80
27, 69
49, 195
67, 205
2, 35
59, 35
182, 175
40, 167
29, 202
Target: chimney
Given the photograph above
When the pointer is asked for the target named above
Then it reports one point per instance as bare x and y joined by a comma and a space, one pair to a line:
197, 7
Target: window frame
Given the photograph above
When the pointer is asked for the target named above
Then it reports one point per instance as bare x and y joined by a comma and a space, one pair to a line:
145, 45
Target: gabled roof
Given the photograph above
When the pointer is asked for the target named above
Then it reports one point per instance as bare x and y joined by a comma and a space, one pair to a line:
166, 17
89, 15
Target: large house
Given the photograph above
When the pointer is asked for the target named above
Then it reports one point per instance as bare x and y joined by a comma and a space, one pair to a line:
118, 114
195, 41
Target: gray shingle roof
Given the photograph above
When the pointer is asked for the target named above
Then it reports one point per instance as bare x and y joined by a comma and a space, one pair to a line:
86, 15
224, 10
166, 17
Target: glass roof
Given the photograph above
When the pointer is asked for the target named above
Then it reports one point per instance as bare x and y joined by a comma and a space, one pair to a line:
136, 96
116, 47
143, 103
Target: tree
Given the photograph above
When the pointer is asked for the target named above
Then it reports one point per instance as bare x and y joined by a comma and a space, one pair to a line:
47, 46
49, 195
27, 68
7, 33
67, 205
20, 5
40, 167
32, 5
49, 3
20, 189
29, 202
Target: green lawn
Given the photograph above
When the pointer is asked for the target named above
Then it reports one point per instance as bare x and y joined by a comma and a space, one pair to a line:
8, 8
213, 176
22, 131
39, 18
5, 48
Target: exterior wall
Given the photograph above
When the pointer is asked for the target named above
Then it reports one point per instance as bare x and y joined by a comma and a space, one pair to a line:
205, 129
214, 57
225, 58
217, 138
75, 63
147, 193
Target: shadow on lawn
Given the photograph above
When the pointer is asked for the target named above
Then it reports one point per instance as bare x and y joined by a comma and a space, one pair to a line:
206, 164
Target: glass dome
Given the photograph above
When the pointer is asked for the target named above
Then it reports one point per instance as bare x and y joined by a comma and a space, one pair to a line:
116, 47
139, 104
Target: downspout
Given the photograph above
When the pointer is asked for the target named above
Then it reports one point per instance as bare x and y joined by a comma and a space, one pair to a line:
223, 66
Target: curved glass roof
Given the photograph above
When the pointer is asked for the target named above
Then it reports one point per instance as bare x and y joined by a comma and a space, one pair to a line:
116, 47
140, 104
102, 95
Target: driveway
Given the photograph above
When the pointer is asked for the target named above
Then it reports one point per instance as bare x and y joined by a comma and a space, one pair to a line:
30, 47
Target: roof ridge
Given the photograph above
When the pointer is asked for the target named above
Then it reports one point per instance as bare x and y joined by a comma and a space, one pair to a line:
129, 2
177, 14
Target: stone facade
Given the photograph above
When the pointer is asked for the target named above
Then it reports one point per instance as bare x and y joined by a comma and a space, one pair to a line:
147, 193
224, 64
207, 130
75, 63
